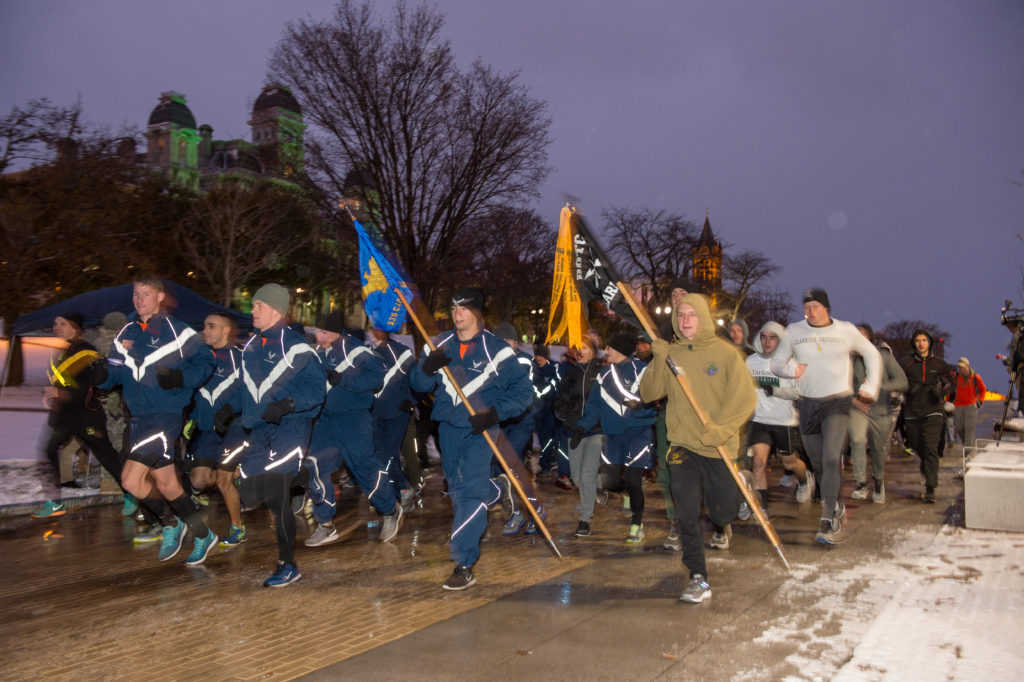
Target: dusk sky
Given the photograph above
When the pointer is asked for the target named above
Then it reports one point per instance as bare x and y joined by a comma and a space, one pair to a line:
870, 148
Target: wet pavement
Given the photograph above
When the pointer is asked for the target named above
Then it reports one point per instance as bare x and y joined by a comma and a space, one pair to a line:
81, 602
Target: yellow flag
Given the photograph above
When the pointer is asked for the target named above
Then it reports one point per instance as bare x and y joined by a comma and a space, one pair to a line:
566, 316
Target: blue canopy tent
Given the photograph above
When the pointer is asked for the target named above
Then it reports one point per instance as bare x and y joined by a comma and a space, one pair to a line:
181, 302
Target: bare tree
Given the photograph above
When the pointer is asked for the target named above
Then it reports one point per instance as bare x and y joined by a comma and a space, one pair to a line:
241, 227
32, 133
900, 336
509, 256
651, 246
767, 305
83, 216
439, 147
741, 274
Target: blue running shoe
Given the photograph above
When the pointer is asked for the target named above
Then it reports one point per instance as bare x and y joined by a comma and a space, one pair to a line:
174, 536
531, 527
285, 574
514, 524
130, 506
236, 536
201, 549
49, 510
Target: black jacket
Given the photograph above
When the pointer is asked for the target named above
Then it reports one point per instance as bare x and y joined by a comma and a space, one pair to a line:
72, 374
930, 381
572, 392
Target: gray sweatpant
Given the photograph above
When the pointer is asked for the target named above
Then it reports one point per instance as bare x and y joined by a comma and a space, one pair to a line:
823, 428
965, 419
583, 464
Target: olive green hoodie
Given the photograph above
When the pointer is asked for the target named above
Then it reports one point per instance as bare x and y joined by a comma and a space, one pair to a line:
720, 380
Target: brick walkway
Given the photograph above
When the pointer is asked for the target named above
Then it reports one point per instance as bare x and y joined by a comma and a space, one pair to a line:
81, 602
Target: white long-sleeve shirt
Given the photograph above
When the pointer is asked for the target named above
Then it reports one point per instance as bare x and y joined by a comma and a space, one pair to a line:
826, 352
776, 409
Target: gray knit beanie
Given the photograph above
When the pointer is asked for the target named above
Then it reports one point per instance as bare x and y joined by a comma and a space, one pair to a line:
274, 295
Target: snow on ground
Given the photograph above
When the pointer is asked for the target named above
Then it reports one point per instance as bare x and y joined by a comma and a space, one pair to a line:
28, 482
958, 615
945, 606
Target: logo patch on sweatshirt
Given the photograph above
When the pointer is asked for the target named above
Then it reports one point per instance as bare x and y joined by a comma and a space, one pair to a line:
711, 369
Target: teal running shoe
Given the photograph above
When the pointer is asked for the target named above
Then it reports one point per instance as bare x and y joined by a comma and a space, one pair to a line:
173, 538
49, 510
201, 549
130, 506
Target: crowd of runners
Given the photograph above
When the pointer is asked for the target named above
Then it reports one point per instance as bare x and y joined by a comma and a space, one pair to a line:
277, 418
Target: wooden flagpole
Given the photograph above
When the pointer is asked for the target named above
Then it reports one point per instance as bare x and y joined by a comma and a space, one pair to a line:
487, 436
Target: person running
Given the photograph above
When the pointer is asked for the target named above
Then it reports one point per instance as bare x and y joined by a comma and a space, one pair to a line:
970, 394
499, 388
159, 362
774, 426
871, 425
75, 412
584, 446
519, 432
679, 288
545, 388
212, 455
722, 386
283, 388
392, 406
627, 425
739, 334
930, 380
816, 352
343, 434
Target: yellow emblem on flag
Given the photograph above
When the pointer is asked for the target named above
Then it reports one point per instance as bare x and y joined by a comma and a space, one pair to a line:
375, 279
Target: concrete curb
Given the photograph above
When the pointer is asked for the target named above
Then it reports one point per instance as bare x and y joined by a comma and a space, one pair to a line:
25, 508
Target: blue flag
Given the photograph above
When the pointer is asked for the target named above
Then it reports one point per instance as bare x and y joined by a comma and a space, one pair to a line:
380, 277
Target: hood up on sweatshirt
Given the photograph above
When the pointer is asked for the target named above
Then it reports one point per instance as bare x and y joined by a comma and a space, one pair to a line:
771, 328
706, 327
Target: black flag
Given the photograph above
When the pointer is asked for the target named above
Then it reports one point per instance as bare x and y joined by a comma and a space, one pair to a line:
595, 278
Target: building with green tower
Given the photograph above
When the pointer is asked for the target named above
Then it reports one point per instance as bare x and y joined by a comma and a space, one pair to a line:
193, 159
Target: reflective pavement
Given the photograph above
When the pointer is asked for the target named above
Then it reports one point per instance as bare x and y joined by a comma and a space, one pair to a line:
81, 602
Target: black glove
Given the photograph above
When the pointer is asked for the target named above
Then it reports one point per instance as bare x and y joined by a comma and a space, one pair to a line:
223, 418
278, 409
333, 377
634, 404
100, 371
575, 438
768, 388
435, 360
483, 420
407, 406
169, 378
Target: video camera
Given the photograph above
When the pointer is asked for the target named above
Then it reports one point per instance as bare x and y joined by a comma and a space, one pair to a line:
1010, 315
